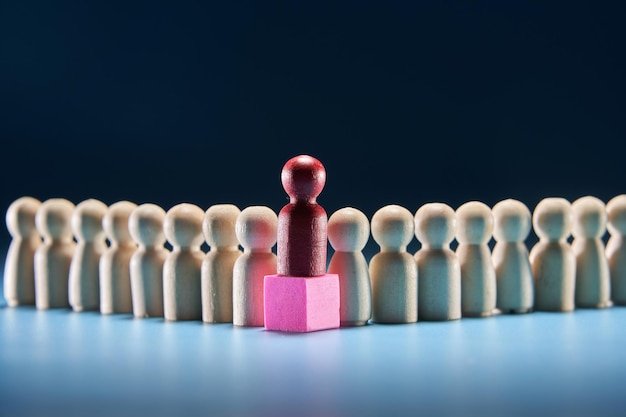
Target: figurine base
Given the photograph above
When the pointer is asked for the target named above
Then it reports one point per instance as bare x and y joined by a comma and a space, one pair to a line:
299, 304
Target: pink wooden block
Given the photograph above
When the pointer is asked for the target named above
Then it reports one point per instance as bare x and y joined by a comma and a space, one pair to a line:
299, 304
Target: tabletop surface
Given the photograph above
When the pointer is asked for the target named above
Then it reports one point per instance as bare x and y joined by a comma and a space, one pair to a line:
61, 363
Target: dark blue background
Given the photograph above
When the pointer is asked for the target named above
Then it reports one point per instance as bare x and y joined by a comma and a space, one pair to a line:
404, 102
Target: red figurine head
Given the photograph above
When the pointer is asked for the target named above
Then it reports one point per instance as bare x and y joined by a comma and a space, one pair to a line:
303, 178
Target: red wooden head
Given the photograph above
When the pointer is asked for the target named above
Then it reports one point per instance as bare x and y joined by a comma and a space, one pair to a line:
303, 178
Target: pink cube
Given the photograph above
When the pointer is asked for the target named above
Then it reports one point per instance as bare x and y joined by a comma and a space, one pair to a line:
299, 304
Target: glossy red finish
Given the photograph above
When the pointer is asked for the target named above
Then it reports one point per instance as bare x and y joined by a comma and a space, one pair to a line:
303, 178
302, 223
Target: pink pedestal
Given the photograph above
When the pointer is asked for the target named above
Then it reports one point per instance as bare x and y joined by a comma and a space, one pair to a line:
298, 304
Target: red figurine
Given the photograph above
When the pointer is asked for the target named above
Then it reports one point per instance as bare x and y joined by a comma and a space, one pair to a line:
302, 223
302, 297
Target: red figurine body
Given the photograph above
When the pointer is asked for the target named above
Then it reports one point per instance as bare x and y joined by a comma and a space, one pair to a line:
302, 223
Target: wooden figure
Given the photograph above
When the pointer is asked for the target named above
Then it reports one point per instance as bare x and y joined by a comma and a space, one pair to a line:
439, 272
302, 224
348, 233
182, 298
514, 275
84, 284
146, 265
218, 227
53, 257
552, 258
593, 283
478, 276
115, 292
616, 249
256, 229
393, 270
19, 266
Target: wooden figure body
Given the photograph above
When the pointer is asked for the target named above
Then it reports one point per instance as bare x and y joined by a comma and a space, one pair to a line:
182, 298
146, 264
593, 283
552, 258
115, 292
19, 266
438, 268
348, 233
478, 276
256, 229
616, 249
53, 257
393, 270
514, 276
84, 284
218, 227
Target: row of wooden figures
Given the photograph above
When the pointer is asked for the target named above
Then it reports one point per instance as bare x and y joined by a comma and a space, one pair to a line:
137, 274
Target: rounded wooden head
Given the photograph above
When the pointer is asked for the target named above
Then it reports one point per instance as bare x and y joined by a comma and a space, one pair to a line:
511, 221
392, 227
256, 227
53, 219
552, 218
145, 225
589, 217
183, 225
474, 223
20, 216
87, 220
218, 225
303, 178
616, 211
115, 221
348, 230
435, 224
